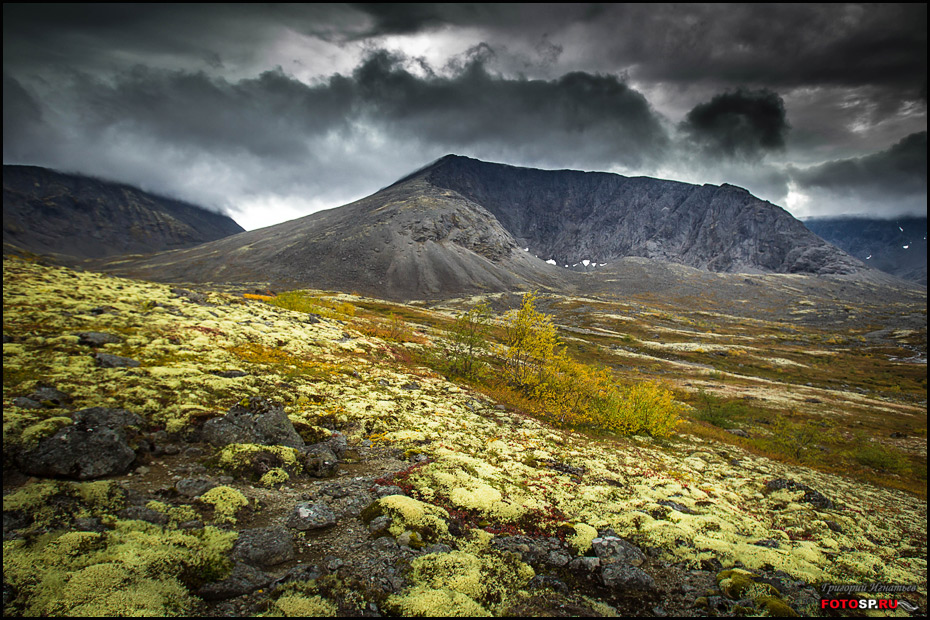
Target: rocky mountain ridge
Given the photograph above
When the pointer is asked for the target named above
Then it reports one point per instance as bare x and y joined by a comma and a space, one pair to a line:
462, 226
895, 246
77, 217
571, 216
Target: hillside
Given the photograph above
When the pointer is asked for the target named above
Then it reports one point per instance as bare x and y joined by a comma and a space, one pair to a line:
317, 462
898, 247
461, 226
76, 217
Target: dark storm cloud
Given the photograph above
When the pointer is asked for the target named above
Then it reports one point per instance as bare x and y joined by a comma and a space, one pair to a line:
22, 120
590, 117
597, 118
522, 18
771, 44
900, 170
744, 124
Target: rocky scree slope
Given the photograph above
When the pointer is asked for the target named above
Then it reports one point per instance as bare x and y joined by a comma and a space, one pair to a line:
48, 212
282, 463
411, 240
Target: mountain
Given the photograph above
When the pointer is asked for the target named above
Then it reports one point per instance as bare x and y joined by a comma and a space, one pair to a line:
463, 226
48, 212
898, 247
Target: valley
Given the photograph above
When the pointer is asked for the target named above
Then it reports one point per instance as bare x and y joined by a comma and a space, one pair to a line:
800, 458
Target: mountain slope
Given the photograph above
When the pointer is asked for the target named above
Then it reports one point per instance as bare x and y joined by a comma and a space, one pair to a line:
898, 247
462, 226
573, 216
409, 240
45, 211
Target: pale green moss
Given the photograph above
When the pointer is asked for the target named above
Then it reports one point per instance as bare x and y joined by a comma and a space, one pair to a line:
35, 433
274, 477
238, 457
775, 607
226, 502
738, 584
432, 603
464, 583
581, 539
51, 502
135, 569
408, 514
175, 514
296, 606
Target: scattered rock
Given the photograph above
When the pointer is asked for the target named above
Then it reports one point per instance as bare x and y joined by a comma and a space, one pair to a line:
105, 360
311, 516
626, 578
585, 565
229, 374
675, 506
545, 581
50, 397
265, 546
141, 513
26, 403
97, 339
242, 580
738, 432
94, 446
319, 461
612, 550
256, 421
811, 496
193, 487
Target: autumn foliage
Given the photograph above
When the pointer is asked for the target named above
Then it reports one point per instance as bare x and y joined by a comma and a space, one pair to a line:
557, 387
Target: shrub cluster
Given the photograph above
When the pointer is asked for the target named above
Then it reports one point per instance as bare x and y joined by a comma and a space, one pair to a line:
556, 386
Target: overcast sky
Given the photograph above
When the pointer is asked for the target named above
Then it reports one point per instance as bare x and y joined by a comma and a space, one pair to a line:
270, 112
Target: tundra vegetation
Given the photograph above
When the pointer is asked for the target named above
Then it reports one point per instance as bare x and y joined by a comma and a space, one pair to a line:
491, 443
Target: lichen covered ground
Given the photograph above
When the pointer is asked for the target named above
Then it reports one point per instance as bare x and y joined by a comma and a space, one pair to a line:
691, 503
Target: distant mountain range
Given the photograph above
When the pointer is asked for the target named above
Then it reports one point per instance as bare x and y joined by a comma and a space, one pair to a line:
48, 212
463, 226
898, 247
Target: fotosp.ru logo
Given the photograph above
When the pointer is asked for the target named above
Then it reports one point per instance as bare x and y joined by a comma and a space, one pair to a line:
832, 597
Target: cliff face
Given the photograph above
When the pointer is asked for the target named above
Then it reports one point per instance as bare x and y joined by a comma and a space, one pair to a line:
572, 216
49, 212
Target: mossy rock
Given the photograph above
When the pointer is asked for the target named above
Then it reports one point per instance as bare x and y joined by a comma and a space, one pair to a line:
226, 502
428, 522
776, 607
251, 461
310, 433
737, 584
